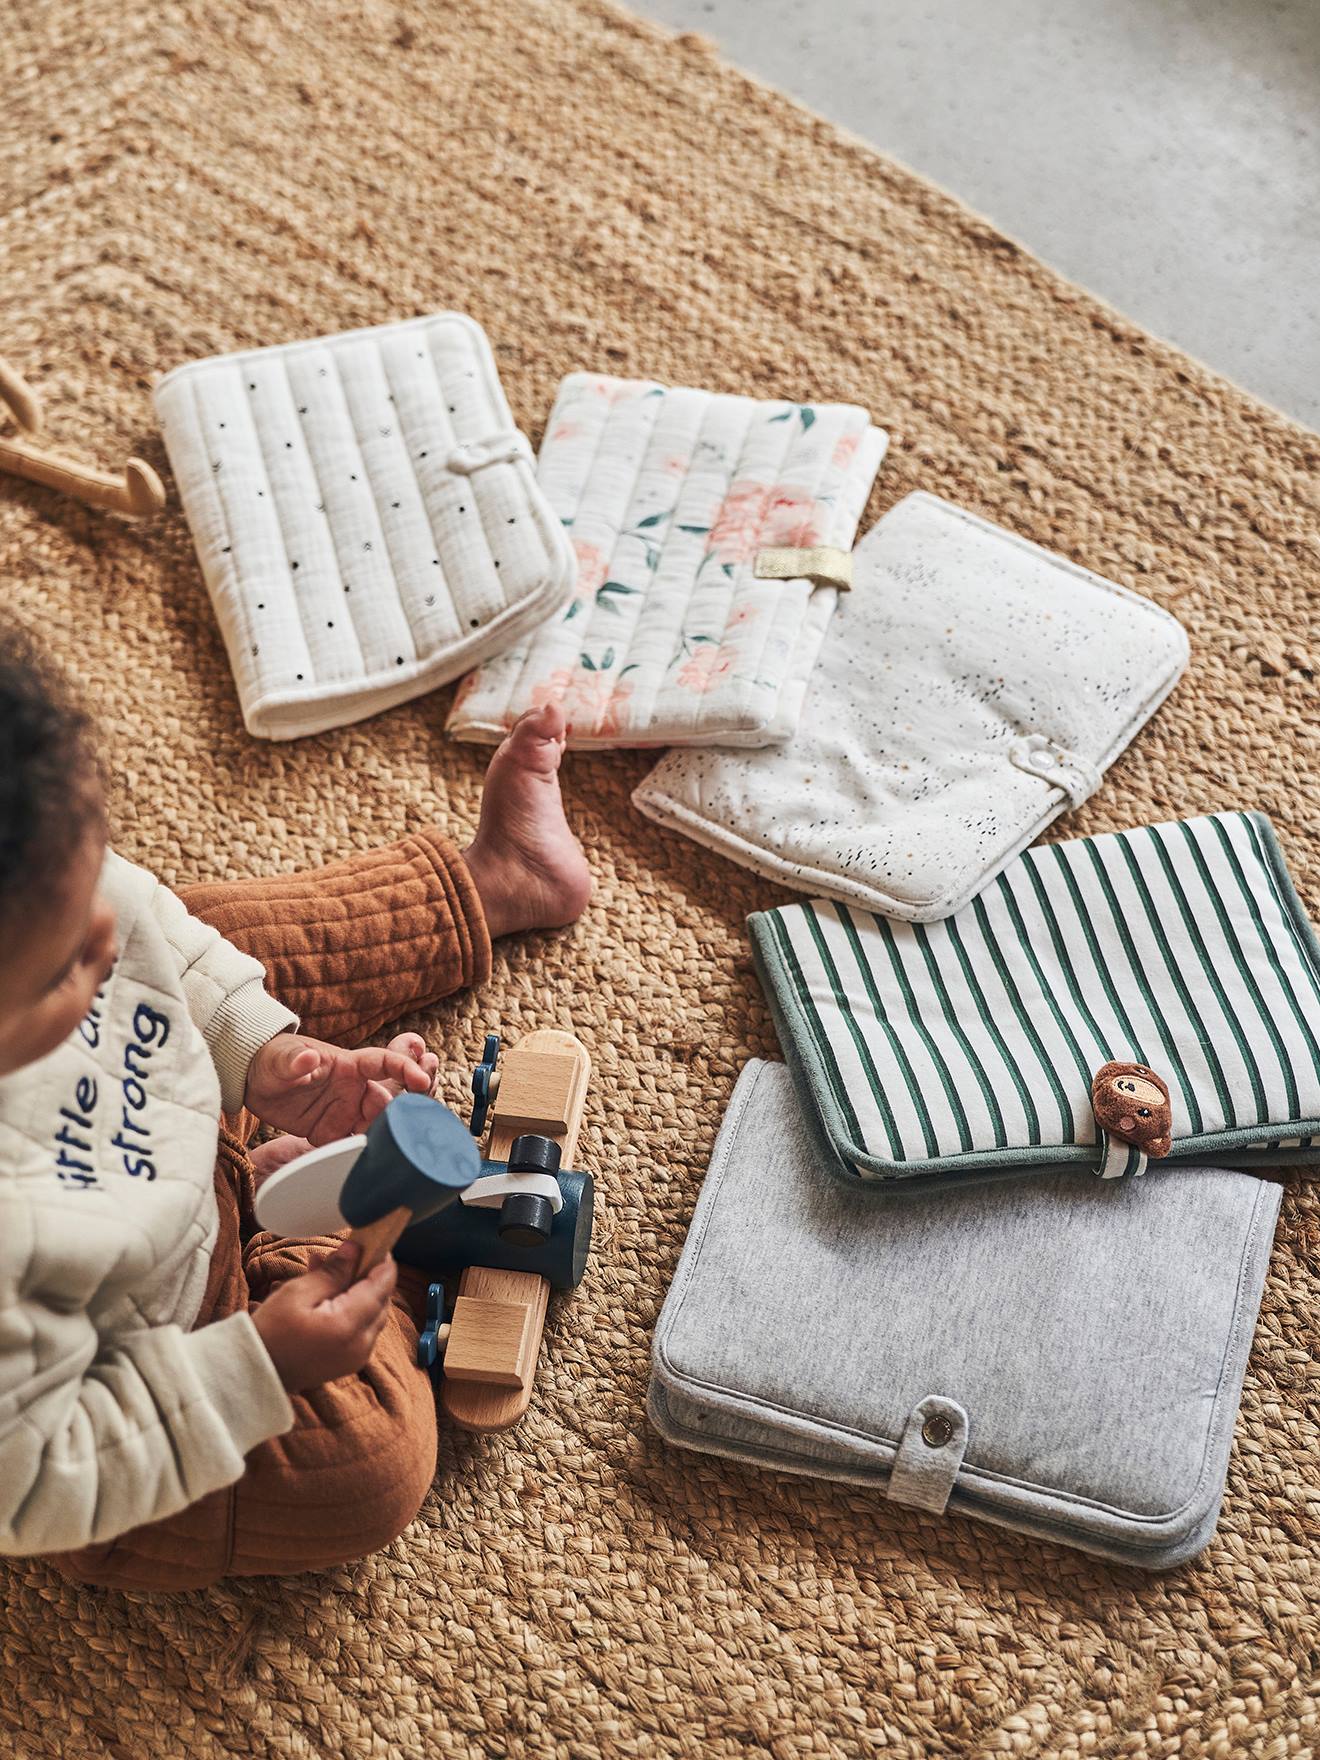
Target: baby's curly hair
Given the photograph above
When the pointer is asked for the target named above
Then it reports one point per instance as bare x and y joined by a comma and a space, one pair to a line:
50, 778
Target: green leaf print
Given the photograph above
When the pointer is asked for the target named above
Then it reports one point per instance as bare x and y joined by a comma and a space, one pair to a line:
588, 664
808, 415
602, 593
652, 519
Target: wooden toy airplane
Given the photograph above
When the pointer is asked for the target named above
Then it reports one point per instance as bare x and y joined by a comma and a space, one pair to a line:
513, 1223
137, 493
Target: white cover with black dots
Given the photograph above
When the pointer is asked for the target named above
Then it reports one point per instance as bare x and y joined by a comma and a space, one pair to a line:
971, 687
668, 496
366, 515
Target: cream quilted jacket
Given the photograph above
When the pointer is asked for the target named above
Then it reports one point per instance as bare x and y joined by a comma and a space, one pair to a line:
112, 1411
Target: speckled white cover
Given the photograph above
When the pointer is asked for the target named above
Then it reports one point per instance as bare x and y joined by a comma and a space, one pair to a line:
971, 686
667, 495
366, 516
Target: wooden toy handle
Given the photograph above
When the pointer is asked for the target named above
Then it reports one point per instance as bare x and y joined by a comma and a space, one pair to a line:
138, 493
23, 402
377, 1238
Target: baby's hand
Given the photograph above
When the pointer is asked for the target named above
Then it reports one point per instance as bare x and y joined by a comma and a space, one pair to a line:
321, 1091
322, 1325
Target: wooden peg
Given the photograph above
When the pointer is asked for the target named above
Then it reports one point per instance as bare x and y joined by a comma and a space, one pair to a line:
537, 1094
493, 1338
24, 404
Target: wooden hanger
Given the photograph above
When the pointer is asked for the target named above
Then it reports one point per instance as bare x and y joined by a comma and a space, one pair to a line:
138, 493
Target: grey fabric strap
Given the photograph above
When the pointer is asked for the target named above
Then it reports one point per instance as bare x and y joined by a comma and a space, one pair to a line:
930, 1454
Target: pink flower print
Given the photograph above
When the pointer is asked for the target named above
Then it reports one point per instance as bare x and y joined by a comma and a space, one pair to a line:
753, 515
592, 568
736, 529
616, 390
706, 668
566, 430
743, 614
615, 712
593, 703
676, 465
792, 519
845, 448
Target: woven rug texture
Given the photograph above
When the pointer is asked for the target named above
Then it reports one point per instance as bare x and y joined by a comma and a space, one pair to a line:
181, 180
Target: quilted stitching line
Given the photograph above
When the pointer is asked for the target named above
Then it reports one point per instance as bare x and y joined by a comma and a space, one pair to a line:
392, 551
324, 502
454, 438
651, 614
509, 672
689, 709
261, 451
798, 444
228, 590
744, 697
409, 441
613, 626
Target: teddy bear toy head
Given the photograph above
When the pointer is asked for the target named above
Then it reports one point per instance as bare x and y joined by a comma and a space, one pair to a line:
1132, 1103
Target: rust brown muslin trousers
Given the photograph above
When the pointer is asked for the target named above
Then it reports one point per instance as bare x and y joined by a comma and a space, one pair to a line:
350, 947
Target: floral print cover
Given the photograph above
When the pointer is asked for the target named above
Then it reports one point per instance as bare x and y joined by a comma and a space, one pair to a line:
667, 495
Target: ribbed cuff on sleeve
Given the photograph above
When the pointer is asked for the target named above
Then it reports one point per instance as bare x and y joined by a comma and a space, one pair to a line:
240, 1381
245, 1021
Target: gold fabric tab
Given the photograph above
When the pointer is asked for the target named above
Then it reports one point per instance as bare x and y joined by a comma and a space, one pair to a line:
823, 566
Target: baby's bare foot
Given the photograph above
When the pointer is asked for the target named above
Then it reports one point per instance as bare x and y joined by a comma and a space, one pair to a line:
268, 1157
528, 867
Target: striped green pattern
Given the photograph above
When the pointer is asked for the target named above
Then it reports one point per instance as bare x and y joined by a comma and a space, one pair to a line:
971, 1043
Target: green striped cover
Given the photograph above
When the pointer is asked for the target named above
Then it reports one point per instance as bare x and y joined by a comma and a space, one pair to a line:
967, 1047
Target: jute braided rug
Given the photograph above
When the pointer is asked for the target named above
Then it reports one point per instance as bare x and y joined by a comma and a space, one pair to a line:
175, 181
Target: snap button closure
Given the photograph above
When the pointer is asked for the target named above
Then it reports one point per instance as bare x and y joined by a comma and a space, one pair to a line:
937, 1430
1046, 759
930, 1453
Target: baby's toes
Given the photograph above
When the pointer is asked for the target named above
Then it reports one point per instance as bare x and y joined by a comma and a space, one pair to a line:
408, 1045
413, 1047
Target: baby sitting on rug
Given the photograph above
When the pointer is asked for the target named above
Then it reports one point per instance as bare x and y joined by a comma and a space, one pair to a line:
182, 1397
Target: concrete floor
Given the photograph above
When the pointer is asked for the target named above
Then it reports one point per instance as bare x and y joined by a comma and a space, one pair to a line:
1163, 153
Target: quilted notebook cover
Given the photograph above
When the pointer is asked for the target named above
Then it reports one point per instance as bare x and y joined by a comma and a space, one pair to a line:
971, 688
365, 513
1089, 1339
668, 496
955, 1050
